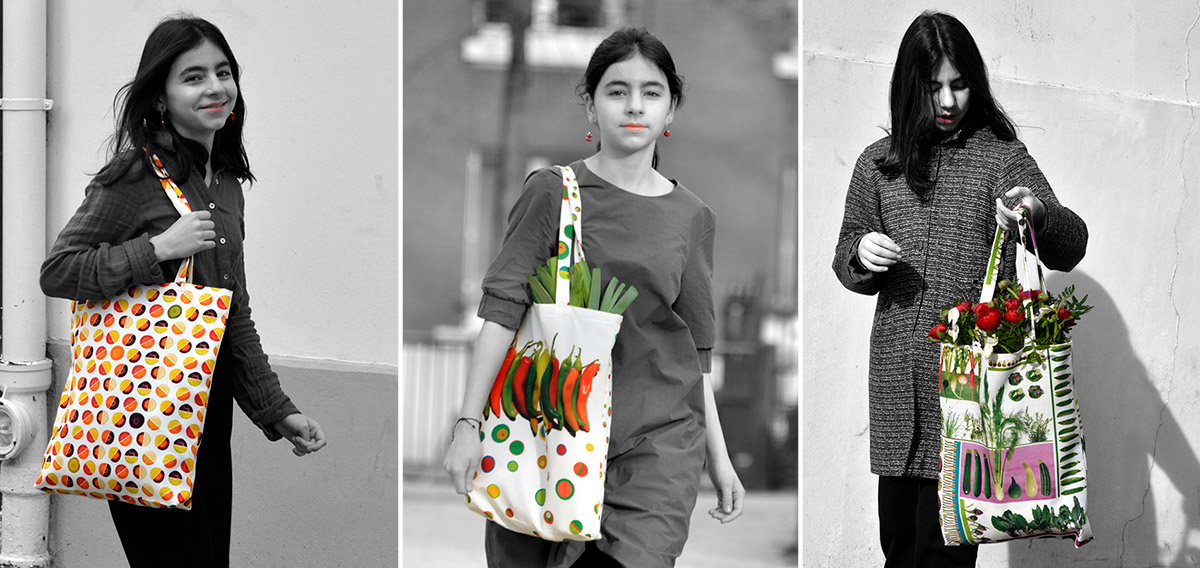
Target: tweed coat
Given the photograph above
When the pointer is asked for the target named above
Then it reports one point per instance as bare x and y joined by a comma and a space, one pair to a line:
945, 237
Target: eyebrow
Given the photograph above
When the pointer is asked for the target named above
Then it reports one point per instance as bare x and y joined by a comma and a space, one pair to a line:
201, 68
620, 83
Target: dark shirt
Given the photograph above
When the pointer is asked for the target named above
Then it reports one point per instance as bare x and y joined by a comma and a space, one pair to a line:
105, 248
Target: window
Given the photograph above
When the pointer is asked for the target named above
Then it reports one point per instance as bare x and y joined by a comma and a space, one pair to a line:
561, 34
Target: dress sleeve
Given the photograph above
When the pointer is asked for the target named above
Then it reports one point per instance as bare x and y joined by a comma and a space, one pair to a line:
528, 242
99, 252
1062, 239
256, 386
861, 217
695, 302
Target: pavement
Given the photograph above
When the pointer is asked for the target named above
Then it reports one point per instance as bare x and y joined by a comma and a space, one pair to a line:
440, 532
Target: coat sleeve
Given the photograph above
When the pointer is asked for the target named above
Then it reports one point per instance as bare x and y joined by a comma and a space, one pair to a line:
256, 386
1062, 240
861, 216
101, 251
528, 242
695, 301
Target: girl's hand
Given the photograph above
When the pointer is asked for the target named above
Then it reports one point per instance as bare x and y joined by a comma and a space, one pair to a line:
462, 458
876, 252
303, 432
189, 235
730, 493
1008, 218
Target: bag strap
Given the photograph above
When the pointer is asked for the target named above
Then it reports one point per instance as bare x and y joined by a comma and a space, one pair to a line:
570, 235
989, 280
181, 205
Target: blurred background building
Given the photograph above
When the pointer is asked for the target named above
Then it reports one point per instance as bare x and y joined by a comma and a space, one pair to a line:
477, 119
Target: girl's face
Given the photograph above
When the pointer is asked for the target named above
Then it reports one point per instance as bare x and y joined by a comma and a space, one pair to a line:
200, 92
951, 96
631, 105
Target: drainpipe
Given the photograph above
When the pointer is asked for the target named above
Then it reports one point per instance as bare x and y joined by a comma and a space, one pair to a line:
24, 369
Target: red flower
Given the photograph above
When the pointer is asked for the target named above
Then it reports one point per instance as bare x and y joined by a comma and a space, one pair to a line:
1014, 316
980, 308
988, 320
938, 331
1012, 305
963, 308
1027, 294
1065, 316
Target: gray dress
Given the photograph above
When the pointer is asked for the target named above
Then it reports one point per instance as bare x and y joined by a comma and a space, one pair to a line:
662, 245
945, 238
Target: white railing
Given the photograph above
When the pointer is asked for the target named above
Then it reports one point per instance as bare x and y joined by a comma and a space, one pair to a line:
433, 378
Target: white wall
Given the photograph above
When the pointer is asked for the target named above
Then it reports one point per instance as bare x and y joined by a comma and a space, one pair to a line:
320, 80
320, 83
1102, 92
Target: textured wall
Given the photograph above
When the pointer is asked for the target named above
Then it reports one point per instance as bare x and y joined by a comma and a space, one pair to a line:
1107, 107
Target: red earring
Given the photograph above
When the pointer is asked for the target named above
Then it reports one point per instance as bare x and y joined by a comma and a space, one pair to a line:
588, 137
232, 116
667, 133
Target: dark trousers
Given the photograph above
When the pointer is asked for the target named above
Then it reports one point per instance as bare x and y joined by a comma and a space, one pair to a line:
198, 538
909, 530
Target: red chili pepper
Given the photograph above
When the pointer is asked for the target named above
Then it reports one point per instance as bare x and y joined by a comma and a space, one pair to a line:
498, 385
585, 388
568, 400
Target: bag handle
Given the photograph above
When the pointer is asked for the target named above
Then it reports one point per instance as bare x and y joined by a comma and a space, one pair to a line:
989, 281
181, 205
570, 235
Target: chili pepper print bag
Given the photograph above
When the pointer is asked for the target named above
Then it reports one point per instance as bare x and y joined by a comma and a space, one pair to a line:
1012, 453
544, 431
131, 415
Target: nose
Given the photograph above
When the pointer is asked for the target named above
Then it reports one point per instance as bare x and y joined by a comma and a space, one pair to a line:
213, 84
634, 105
945, 97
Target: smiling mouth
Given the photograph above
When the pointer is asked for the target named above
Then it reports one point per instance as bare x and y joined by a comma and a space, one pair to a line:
215, 107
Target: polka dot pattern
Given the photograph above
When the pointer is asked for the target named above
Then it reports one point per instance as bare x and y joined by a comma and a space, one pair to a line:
131, 414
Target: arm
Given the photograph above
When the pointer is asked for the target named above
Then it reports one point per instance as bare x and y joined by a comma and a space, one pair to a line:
695, 301
462, 458
730, 493
863, 227
1061, 235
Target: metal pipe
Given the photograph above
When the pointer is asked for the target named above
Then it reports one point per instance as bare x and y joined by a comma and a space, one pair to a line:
25, 373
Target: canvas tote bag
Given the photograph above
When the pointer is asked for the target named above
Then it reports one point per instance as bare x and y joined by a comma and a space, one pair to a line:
1012, 453
131, 415
545, 476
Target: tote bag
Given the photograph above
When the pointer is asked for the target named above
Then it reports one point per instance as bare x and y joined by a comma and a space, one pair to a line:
131, 415
1012, 453
544, 475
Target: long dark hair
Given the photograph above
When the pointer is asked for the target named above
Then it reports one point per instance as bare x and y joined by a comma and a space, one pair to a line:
624, 44
140, 125
932, 37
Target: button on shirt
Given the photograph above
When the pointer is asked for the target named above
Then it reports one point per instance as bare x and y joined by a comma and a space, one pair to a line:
105, 248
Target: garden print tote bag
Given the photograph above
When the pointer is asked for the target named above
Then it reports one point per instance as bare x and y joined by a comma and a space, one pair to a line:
545, 429
1012, 454
131, 415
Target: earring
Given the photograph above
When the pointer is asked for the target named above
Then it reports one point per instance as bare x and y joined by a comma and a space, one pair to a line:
162, 118
667, 133
232, 116
588, 137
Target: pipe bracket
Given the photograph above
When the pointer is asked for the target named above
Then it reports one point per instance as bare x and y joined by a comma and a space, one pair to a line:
26, 104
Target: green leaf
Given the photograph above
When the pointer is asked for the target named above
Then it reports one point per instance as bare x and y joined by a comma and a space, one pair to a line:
594, 289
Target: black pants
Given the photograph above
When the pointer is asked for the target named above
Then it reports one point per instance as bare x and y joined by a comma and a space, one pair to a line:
152, 537
909, 530
529, 551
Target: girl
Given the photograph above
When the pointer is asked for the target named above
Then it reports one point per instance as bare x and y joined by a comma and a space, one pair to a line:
920, 215
658, 236
183, 105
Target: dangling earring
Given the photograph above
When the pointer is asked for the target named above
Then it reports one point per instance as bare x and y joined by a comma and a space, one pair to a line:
588, 137
162, 118
667, 133
232, 116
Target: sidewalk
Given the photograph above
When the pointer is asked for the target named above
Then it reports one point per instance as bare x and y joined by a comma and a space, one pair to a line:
439, 531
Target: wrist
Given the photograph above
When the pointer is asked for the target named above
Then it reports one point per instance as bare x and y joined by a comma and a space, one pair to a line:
473, 424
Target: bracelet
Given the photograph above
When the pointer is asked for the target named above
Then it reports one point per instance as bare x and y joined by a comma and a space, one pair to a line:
478, 425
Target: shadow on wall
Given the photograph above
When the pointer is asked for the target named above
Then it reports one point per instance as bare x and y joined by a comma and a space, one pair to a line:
1131, 432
